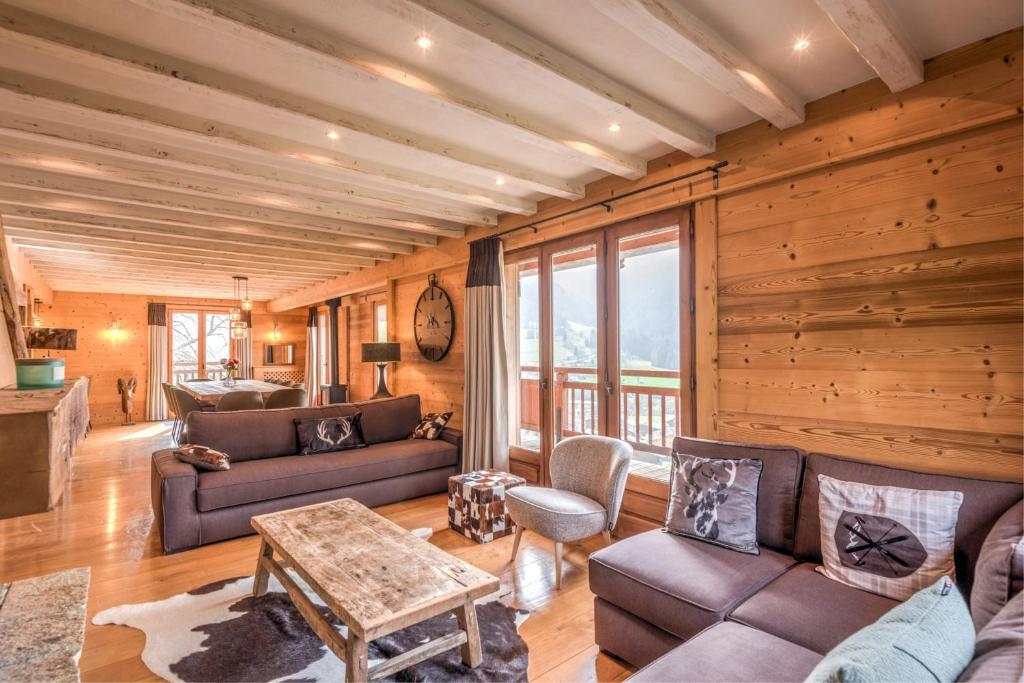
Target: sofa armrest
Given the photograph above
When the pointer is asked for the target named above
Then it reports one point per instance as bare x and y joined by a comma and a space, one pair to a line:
454, 437
173, 494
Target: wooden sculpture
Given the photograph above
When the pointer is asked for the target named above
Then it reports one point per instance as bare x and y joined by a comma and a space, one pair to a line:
127, 391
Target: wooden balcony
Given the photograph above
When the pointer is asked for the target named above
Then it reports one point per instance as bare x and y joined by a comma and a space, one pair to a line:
182, 372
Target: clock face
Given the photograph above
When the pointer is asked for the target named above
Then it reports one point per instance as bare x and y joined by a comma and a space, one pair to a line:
434, 323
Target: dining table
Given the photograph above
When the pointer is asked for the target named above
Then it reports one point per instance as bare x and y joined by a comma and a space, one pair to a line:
212, 391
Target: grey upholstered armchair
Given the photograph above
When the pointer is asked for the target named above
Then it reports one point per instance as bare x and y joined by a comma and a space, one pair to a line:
588, 477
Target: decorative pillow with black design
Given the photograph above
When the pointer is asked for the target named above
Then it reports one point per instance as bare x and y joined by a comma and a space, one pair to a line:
329, 434
715, 501
203, 458
431, 426
885, 539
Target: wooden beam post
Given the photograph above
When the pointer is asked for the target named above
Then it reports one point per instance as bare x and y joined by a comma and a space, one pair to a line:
8, 301
705, 248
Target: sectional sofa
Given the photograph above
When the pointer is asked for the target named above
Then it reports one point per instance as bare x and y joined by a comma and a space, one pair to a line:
684, 610
194, 507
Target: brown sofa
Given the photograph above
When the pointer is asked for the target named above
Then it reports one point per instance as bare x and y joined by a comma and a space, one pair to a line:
194, 507
691, 611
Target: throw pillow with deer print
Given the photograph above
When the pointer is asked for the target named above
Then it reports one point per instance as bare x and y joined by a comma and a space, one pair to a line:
715, 501
326, 435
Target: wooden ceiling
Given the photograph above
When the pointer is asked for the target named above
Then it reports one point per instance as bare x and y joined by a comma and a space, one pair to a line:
162, 146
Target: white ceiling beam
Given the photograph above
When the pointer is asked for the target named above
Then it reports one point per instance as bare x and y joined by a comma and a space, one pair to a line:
55, 235
33, 158
156, 268
333, 61
167, 272
72, 284
150, 91
617, 101
266, 156
667, 26
37, 150
155, 238
15, 181
42, 207
877, 35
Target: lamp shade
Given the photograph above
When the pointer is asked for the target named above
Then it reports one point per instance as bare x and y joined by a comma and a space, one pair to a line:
53, 338
382, 352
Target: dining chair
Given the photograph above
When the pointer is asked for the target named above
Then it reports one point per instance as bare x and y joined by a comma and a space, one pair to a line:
588, 479
186, 403
287, 398
240, 400
272, 380
173, 406
199, 379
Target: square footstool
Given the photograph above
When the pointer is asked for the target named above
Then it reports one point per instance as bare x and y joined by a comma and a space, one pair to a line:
476, 504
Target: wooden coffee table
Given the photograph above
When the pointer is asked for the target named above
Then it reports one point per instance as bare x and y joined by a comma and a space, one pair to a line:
375, 576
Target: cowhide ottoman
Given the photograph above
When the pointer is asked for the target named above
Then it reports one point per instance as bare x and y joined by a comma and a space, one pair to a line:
476, 504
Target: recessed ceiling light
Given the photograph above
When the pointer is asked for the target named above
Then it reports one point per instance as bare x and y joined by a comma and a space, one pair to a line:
424, 41
499, 181
332, 135
801, 44
614, 127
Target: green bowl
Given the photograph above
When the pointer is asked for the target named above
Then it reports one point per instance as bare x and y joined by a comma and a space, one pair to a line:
40, 373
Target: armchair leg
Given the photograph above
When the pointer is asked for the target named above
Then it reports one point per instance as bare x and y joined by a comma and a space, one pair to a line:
558, 566
515, 544
607, 536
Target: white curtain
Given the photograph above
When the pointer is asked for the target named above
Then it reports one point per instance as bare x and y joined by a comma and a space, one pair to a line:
312, 359
243, 348
156, 374
485, 441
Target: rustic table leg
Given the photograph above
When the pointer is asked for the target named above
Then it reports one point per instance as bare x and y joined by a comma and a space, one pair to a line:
262, 576
472, 652
356, 661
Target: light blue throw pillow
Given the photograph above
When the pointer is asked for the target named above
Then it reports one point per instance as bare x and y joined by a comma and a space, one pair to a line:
930, 637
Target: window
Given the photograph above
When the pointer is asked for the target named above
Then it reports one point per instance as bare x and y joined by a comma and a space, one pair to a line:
198, 342
380, 322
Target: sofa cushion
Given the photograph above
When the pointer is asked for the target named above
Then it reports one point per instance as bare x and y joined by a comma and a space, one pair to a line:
984, 502
269, 478
254, 434
999, 572
731, 652
930, 637
558, 515
777, 491
813, 611
390, 419
679, 584
999, 647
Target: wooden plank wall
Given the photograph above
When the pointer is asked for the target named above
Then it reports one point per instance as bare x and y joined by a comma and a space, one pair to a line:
859, 277
105, 358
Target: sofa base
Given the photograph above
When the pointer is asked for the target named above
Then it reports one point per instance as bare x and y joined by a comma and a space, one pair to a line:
629, 637
232, 522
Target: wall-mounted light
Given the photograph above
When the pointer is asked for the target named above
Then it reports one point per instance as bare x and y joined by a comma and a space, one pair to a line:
37, 320
115, 331
276, 334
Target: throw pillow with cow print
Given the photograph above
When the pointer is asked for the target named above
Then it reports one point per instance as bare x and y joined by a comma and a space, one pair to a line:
715, 501
326, 435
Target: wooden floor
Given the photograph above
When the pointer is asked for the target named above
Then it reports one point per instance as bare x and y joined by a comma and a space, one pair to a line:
105, 521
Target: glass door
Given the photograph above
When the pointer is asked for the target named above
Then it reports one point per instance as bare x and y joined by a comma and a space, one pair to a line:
574, 334
650, 337
198, 341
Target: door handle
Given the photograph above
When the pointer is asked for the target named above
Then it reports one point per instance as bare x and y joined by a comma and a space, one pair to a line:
544, 384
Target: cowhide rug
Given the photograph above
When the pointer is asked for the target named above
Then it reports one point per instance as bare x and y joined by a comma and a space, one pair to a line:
219, 632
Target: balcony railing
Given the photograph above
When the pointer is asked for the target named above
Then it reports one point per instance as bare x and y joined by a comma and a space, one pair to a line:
181, 372
648, 415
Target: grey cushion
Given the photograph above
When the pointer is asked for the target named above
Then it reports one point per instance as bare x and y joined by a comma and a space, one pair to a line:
271, 478
999, 647
778, 489
730, 652
791, 607
678, 584
390, 419
998, 574
558, 515
714, 500
930, 637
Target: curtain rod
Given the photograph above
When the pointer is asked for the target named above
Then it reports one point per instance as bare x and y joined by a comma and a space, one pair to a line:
607, 203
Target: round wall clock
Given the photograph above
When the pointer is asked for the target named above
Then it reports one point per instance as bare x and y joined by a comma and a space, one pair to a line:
434, 322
